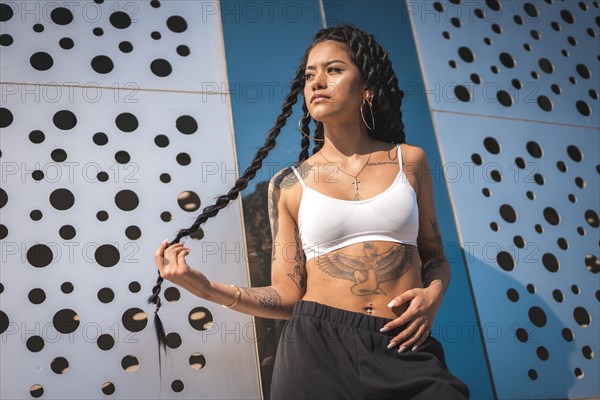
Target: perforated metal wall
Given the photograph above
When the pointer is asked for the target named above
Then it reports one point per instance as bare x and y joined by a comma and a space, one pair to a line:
109, 145
513, 86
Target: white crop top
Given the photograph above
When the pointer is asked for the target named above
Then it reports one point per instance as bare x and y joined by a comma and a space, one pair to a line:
326, 224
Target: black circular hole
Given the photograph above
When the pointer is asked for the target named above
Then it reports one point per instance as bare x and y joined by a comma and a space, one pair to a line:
582, 317
134, 319
551, 216
567, 334
505, 260
172, 294
558, 296
583, 108
495, 175
134, 287
512, 295
177, 386
507, 212
200, 318
574, 153
59, 365
562, 243
522, 335
173, 340
36, 296
542, 353
34, 344
106, 295
105, 342
550, 262
518, 241
466, 54
491, 145
534, 149
537, 316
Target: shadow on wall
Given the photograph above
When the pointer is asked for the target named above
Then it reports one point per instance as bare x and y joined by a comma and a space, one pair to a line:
259, 242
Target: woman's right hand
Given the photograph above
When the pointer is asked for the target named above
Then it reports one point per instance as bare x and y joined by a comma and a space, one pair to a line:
172, 266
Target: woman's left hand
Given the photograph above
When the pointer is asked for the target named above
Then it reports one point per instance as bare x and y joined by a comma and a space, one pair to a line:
423, 304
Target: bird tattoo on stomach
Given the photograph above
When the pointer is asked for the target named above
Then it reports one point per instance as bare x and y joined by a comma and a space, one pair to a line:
368, 271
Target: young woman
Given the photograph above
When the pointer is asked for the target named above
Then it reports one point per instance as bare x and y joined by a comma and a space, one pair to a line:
358, 267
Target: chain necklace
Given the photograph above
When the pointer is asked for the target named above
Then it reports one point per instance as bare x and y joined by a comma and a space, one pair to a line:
355, 177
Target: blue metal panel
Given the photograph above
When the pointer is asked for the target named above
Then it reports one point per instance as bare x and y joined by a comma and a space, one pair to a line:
551, 57
518, 308
523, 176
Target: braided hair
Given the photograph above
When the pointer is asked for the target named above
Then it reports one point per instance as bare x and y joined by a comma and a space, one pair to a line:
375, 70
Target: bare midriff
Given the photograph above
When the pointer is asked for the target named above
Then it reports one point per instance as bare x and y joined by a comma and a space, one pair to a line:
357, 278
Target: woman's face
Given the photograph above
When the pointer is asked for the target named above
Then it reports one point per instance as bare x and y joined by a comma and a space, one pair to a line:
330, 73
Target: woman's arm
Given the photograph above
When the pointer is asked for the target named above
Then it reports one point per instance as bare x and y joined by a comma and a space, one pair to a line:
288, 272
423, 302
435, 270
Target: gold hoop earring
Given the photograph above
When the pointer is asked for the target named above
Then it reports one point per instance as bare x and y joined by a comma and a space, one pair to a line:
370, 103
301, 131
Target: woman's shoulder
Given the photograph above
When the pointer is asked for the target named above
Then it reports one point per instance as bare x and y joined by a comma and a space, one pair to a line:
286, 178
413, 154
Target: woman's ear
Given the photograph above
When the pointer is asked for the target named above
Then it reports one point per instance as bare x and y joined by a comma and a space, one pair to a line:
368, 94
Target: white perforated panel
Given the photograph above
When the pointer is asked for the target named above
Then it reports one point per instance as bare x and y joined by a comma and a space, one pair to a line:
93, 179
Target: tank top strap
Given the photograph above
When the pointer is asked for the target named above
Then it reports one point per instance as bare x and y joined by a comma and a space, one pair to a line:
298, 175
400, 158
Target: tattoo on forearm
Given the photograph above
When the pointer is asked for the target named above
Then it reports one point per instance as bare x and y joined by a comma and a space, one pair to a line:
267, 297
438, 255
368, 271
428, 267
298, 277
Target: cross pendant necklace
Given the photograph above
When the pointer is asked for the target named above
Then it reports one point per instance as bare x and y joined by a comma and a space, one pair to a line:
356, 181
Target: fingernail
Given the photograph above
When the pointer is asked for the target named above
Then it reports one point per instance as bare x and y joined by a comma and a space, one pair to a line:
392, 344
414, 348
166, 241
384, 329
392, 303
401, 349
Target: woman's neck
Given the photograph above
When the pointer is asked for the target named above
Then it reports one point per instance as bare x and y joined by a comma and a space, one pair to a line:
347, 141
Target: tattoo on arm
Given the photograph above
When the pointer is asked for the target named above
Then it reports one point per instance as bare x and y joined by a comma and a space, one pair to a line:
298, 277
438, 257
267, 297
285, 179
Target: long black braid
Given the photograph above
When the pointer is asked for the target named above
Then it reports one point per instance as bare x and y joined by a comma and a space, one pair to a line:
375, 69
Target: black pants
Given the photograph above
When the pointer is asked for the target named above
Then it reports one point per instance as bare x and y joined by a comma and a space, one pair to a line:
329, 353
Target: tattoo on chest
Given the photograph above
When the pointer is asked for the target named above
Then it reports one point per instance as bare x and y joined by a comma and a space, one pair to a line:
368, 271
